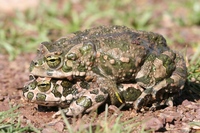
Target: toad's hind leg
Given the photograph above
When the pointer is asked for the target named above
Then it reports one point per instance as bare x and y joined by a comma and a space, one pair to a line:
164, 91
174, 84
91, 99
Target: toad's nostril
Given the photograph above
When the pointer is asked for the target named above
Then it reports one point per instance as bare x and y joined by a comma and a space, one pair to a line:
25, 89
32, 77
32, 65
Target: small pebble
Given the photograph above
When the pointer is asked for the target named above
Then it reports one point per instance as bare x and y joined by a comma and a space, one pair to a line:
59, 126
48, 130
153, 123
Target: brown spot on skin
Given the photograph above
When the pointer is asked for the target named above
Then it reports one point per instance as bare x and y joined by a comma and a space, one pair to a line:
82, 73
88, 78
112, 61
124, 59
124, 74
160, 71
98, 54
69, 78
69, 63
135, 42
87, 63
94, 79
77, 73
89, 68
105, 57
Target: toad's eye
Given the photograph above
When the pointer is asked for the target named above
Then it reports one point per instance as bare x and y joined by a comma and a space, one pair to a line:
44, 86
53, 61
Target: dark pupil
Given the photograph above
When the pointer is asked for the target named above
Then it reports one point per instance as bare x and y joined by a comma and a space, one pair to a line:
42, 85
52, 60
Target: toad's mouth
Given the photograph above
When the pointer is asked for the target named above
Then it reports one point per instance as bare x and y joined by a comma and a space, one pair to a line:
52, 103
58, 74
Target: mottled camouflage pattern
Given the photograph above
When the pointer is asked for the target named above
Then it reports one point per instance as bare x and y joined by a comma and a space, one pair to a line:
109, 56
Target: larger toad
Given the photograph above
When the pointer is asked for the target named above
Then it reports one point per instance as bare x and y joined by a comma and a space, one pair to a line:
113, 55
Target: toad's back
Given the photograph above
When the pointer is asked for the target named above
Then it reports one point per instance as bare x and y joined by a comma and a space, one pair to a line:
118, 51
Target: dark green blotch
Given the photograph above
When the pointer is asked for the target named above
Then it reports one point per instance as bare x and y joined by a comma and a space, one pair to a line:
149, 90
99, 98
151, 57
97, 71
107, 70
66, 84
128, 75
40, 97
180, 71
86, 48
56, 92
131, 94
32, 85
104, 90
126, 66
53, 81
84, 85
122, 44
32, 65
84, 101
67, 91
169, 81
157, 39
96, 91
145, 79
71, 56
30, 95
168, 63
65, 68
81, 68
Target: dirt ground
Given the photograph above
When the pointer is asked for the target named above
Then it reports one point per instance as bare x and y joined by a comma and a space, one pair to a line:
180, 118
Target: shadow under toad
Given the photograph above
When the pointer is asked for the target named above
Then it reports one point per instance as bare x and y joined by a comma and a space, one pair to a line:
190, 92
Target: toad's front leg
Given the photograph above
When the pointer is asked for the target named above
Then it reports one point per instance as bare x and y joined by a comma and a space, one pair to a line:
97, 93
91, 99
